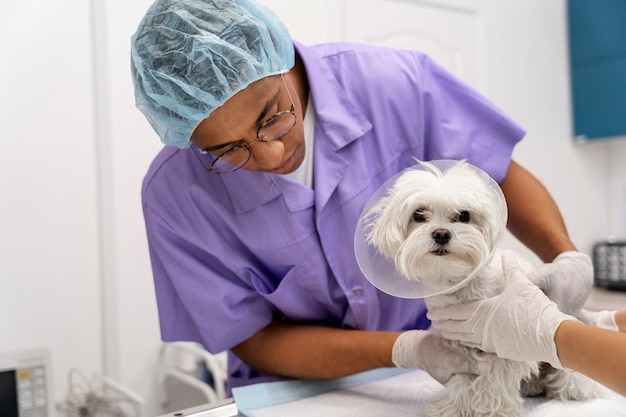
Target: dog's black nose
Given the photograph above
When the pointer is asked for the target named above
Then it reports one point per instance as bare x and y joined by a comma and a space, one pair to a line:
441, 236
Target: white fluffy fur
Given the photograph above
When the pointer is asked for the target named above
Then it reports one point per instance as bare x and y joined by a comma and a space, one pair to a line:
459, 205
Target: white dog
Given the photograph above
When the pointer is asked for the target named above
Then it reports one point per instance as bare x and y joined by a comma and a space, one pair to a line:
443, 229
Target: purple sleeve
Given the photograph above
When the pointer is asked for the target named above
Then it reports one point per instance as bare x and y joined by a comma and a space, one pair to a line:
199, 299
462, 123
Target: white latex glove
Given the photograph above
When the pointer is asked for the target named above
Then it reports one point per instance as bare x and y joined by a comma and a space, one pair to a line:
518, 324
604, 319
425, 350
567, 280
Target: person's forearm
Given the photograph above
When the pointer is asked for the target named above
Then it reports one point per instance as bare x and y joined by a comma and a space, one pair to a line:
534, 217
594, 352
313, 352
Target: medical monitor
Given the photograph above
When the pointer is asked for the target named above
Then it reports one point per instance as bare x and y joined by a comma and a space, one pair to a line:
25, 384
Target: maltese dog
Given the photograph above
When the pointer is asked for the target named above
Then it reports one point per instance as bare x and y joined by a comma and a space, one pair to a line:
442, 229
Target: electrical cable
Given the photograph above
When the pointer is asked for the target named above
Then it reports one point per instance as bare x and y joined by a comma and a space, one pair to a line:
86, 398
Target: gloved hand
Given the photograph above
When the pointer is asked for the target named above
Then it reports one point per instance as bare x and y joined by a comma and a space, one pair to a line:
604, 319
425, 350
518, 324
567, 280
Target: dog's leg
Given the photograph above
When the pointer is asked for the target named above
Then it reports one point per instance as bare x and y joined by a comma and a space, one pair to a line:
564, 385
495, 394
535, 385
454, 400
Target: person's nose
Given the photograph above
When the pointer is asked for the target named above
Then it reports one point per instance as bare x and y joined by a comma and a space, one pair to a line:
268, 155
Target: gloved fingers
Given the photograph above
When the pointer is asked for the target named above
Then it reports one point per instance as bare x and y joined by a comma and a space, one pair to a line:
405, 352
518, 285
468, 339
453, 324
435, 356
567, 280
463, 311
540, 276
453, 363
492, 325
511, 269
577, 263
509, 261
604, 319
573, 256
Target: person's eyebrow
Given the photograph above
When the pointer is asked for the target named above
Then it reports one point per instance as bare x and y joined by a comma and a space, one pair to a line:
217, 147
266, 109
262, 118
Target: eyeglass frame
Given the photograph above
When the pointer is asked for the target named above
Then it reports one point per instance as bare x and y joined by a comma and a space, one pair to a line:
246, 146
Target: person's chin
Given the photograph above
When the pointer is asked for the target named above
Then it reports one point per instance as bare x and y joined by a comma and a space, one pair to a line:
289, 166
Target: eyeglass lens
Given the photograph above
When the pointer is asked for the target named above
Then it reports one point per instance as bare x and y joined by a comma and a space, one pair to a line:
273, 129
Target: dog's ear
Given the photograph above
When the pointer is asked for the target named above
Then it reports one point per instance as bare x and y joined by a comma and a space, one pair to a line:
384, 228
497, 220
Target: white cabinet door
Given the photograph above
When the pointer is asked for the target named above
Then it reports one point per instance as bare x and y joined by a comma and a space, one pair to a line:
450, 31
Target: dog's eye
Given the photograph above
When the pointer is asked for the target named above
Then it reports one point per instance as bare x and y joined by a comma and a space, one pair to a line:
463, 217
418, 216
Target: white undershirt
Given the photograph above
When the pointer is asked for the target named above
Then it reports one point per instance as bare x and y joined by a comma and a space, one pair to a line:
304, 173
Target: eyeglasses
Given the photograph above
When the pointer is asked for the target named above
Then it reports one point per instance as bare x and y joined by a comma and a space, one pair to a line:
272, 129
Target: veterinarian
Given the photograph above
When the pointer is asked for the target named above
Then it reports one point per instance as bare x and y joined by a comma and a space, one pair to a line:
273, 148
523, 324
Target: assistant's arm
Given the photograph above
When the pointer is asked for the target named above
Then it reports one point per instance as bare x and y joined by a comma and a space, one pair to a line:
597, 353
534, 217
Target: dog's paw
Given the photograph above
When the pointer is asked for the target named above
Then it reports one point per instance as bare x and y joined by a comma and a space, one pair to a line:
564, 385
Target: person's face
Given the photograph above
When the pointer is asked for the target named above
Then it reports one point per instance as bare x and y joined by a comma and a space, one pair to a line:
237, 122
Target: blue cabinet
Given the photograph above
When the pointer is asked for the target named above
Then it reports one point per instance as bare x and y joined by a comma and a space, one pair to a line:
597, 42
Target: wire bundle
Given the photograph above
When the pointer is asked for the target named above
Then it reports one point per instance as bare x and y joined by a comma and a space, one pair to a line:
87, 398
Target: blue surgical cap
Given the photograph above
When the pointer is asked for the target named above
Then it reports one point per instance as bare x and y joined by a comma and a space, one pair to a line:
189, 56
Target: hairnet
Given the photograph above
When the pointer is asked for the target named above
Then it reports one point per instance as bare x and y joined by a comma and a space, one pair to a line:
188, 57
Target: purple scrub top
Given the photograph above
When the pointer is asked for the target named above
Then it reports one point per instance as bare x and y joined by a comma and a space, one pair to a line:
231, 252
